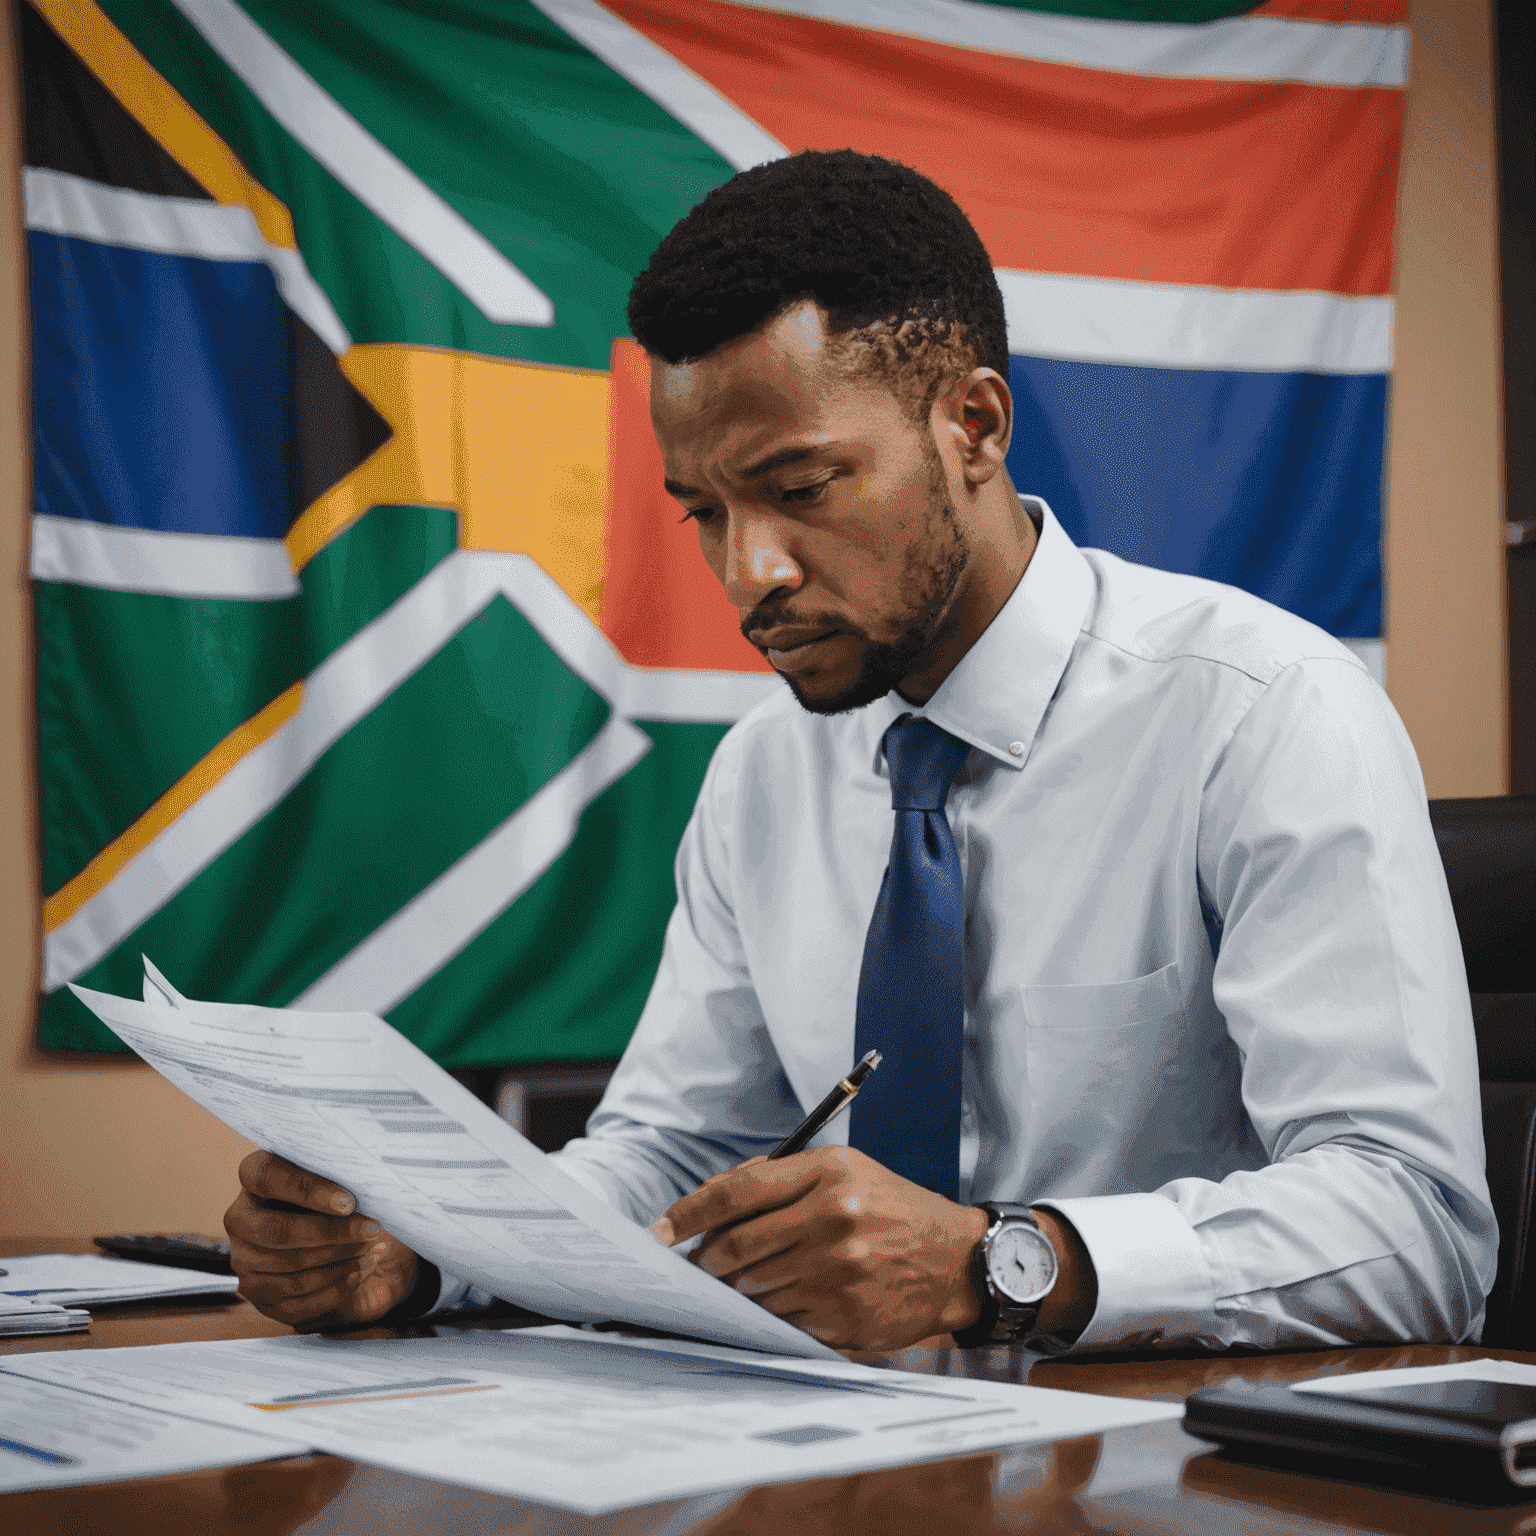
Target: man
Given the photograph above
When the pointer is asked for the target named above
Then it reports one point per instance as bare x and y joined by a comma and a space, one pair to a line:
1129, 875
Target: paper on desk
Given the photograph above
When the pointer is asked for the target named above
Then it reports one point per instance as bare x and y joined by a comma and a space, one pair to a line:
57, 1434
346, 1096
592, 1422
1417, 1375
23, 1317
92, 1279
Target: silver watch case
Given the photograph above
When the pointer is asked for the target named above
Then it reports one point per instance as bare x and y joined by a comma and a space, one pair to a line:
1020, 1270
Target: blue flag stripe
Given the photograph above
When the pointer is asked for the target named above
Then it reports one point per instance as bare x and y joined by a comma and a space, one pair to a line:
160, 390
1268, 481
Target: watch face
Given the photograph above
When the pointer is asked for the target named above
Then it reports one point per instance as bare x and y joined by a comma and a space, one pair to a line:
1021, 1262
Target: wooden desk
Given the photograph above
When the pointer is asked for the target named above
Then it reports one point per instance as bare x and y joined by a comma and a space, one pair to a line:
1153, 1481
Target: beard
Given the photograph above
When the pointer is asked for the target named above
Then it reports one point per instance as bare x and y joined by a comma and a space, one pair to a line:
930, 574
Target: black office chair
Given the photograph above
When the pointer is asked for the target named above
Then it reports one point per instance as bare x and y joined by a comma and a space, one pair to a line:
1488, 848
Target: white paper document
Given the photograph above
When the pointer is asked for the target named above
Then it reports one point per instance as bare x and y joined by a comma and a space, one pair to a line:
56, 1434
21, 1316
346, 1096
588, 1422
1511, 1371
92, 1279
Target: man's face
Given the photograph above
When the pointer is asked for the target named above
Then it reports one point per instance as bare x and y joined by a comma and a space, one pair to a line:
821, 507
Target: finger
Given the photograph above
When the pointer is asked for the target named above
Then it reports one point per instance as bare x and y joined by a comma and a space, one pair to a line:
820, 1316
262, 1287
289, 1229
308, 1292
355, 1307
745, 1191
248, 1258
263, 1226
321, 1308
734, 1249
352, 1304
270, 1177
787, 1259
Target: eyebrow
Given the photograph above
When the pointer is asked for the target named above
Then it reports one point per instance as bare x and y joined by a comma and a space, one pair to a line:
763, 467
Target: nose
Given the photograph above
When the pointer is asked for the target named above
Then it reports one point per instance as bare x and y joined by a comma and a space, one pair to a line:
757, 561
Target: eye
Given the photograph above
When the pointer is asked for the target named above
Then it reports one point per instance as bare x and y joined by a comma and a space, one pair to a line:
804, 493
703, 516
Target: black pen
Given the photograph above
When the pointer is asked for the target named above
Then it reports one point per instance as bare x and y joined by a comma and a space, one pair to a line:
829, 1108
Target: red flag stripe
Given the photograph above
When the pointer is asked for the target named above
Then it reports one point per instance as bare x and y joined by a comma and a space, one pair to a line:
662, 606
1062, 169
1379, 13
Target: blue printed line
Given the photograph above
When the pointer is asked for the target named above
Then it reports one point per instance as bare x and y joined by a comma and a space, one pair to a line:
53, 1458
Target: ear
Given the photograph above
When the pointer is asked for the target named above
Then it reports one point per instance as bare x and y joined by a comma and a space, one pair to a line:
973, 417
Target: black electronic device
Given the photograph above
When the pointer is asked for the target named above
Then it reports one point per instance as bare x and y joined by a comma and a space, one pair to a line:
186, 1250
1477, 1436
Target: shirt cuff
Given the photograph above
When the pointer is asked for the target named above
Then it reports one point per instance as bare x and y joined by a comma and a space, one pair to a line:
1154, 1284
455, 1295
419, 1302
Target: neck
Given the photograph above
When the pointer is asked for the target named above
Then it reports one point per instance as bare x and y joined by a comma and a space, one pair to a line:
1000, 551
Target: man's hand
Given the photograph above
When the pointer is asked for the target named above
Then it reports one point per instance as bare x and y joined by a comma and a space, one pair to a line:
304, 1257
837, 1245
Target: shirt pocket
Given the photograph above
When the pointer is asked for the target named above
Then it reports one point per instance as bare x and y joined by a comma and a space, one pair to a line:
1104, 1005
1106, 1084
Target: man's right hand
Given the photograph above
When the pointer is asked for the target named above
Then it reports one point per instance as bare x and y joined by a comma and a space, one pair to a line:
304, 1257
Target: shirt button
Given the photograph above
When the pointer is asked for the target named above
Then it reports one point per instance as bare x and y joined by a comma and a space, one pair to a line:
1016, 749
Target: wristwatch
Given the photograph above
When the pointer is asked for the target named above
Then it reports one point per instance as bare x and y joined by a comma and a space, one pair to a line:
1013, 1269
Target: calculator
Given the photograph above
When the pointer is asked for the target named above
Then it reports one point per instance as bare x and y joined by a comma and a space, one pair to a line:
188, 1250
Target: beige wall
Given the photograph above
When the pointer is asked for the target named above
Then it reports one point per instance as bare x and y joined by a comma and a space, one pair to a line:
85, 1147
1446, 664
90, 1146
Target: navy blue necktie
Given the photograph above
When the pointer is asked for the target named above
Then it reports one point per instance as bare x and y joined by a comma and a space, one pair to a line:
911, 1005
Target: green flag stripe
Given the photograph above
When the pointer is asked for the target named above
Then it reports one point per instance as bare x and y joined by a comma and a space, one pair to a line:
506, 997
364, 570
135, 689
418, 782
577, 200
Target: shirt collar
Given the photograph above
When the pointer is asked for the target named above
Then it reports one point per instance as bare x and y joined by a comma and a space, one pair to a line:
997, 694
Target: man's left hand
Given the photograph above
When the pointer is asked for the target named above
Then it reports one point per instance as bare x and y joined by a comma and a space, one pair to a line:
836, 1244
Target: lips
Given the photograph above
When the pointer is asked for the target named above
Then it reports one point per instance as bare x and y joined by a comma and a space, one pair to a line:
786, 638
811, 651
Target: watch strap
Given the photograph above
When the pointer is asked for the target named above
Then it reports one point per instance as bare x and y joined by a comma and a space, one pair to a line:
1001, 1321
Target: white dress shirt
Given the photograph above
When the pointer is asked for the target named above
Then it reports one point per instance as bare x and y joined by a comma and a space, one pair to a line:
1216, 1012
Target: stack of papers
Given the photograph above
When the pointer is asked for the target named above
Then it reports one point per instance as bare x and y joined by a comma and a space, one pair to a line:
93, 1280
21, 1317
587, 1422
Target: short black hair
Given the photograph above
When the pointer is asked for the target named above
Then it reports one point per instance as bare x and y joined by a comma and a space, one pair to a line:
882, 249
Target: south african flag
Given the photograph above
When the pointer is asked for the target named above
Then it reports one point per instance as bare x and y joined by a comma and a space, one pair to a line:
374, 668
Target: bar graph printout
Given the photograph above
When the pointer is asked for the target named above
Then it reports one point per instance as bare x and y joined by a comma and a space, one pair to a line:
592, 1423
346, 1096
